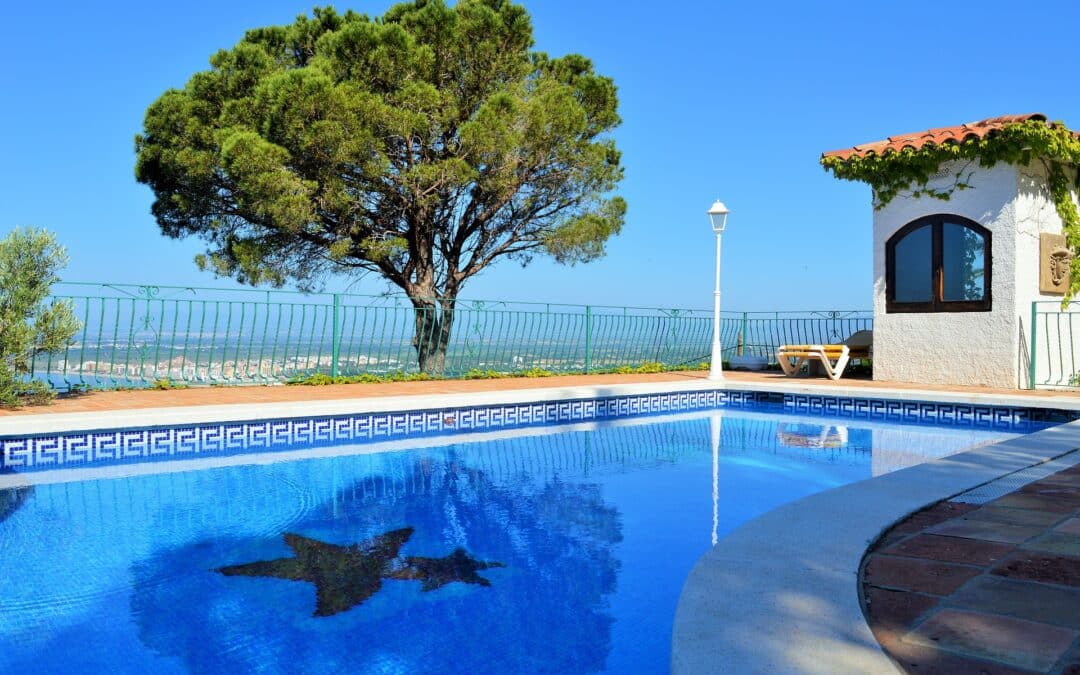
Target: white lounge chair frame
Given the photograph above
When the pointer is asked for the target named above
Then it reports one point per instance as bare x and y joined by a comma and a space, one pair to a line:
833, 358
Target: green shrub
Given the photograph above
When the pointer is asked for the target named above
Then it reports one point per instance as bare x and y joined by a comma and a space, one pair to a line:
478, 374
320, 379
649, 367
317, 379
535, 372
30, 259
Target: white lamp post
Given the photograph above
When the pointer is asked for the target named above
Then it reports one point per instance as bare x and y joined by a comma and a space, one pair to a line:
718, 214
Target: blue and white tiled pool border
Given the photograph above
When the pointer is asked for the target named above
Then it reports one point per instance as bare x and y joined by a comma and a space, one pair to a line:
49, 442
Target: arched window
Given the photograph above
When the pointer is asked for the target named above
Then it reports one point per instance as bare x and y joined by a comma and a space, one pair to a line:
938, 263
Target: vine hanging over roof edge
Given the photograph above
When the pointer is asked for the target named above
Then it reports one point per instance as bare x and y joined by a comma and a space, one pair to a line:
1020, 143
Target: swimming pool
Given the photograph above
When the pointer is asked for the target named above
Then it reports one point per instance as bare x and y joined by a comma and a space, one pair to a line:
550, 550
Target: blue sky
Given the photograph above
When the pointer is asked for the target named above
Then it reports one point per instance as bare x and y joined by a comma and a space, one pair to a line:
729, 100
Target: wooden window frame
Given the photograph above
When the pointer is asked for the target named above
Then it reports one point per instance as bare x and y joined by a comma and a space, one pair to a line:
937, 302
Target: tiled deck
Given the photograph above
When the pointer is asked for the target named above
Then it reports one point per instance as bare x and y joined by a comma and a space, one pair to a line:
135, 399
961, 588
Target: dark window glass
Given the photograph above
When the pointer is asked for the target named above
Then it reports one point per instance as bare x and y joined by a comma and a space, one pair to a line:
939, 263
962, 265
913, 266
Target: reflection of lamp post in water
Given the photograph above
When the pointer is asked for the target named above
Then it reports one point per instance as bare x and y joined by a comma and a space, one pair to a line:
714, 429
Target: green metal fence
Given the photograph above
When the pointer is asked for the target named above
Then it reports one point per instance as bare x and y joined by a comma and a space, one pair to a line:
763, 332
1053, 350
134, 335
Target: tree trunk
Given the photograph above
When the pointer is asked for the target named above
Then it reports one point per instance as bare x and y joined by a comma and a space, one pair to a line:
434, 321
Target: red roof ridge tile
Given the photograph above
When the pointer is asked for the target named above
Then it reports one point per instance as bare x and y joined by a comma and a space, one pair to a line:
938, 136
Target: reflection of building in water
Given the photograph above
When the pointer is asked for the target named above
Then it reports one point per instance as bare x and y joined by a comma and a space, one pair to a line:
897, 448
811, 435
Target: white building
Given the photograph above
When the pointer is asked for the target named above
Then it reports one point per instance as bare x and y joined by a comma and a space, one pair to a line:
954, 280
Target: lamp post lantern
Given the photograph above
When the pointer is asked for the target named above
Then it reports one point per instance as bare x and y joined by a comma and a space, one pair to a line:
718, 214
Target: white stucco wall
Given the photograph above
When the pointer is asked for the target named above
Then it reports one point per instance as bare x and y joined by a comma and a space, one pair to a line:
955, 347
1058, 349
1035, 213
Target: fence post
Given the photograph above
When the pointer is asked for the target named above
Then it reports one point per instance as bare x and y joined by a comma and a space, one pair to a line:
588, 338
742, 332
335, 348
1031, 352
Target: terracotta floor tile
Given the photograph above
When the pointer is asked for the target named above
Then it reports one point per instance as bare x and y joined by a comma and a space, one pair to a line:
943, 511
1036, 566
1070, 664
951, 549
1020, 599
938, 513
986, 530
891, 537
893, 613
1023, 618
1061, 543
1023, 500
1015, 642
1062, 493
931, 661
1062, 479
1004, 514
113, 400
143, 398
915, 574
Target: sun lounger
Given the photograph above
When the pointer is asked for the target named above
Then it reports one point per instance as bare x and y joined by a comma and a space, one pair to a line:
811, 436
833, 358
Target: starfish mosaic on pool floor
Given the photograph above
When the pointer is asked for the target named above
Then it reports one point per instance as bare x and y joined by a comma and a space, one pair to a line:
346, 576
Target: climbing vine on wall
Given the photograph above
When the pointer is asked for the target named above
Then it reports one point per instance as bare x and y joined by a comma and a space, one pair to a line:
910, 171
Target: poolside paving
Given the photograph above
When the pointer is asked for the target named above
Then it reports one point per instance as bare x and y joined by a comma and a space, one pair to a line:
223, 395
992, 588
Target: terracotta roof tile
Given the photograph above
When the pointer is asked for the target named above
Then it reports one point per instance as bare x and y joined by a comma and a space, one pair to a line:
956, 134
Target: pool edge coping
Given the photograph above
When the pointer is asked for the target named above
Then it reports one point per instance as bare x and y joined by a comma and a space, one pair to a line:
780, 593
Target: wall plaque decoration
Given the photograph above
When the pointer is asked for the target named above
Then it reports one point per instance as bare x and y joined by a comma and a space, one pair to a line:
1054, 260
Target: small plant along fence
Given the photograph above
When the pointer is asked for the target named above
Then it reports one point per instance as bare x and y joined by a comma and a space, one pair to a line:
1054, 346
136, 335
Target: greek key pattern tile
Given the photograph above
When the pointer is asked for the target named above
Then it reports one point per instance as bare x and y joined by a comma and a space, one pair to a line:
79, 449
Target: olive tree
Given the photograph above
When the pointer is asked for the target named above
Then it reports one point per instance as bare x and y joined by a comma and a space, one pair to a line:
422, 145
30, 325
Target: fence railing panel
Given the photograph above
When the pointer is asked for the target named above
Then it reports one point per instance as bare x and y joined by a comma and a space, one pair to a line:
1053, 349
137, 335
763, 332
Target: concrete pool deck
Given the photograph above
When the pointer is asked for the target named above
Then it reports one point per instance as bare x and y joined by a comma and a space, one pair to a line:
780, 594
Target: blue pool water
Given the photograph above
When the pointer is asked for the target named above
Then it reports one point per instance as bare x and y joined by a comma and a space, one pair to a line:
595, 530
